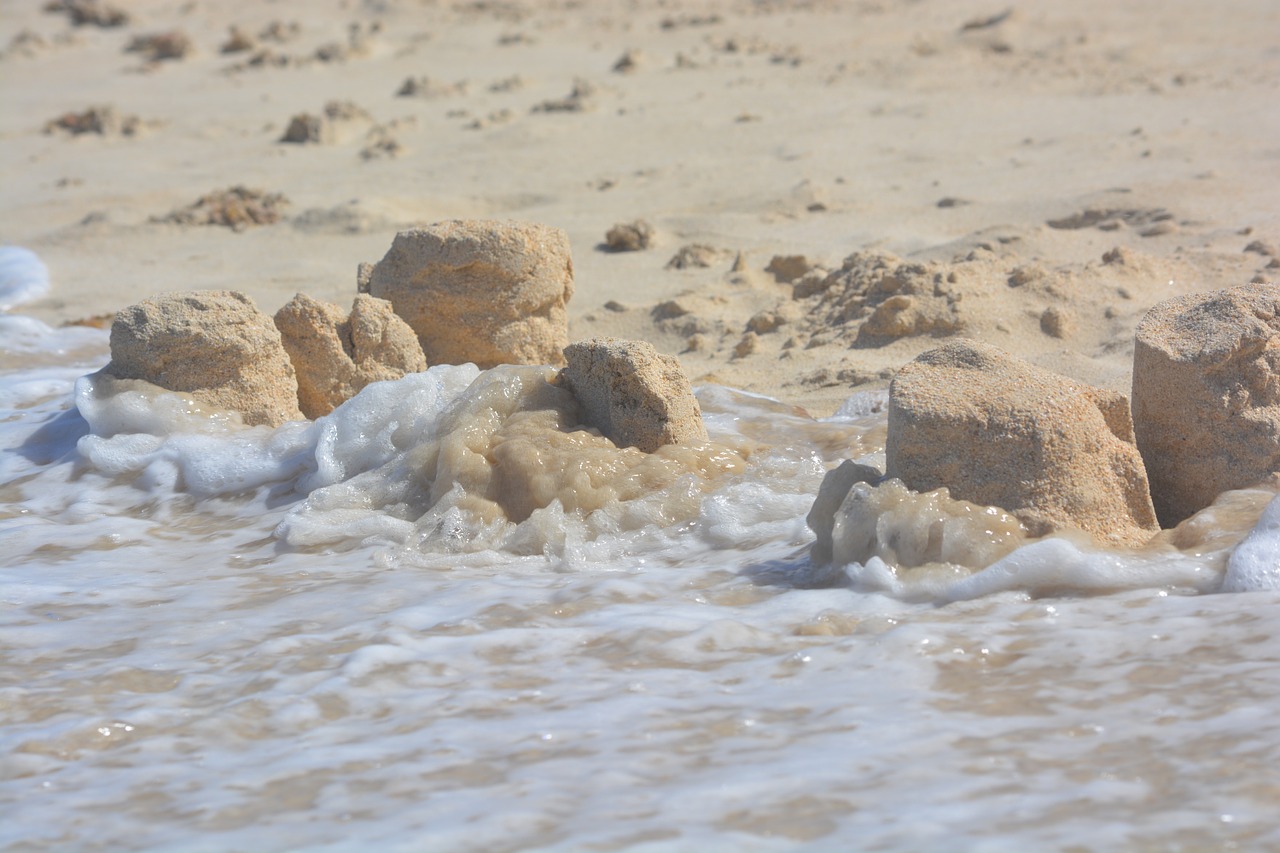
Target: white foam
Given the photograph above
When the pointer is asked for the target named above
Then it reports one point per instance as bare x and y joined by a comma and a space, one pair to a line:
23, 276
1255, 563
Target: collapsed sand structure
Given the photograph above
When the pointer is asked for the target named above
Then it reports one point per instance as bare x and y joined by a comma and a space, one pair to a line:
336, 354
214, 345
480, 291
636, 396
1206, 395
998, 431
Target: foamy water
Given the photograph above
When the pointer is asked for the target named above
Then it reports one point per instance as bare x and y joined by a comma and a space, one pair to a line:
441, 618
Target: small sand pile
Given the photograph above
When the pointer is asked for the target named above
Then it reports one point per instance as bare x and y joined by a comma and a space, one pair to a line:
332, 125
102, 120
158, 47
89, 12
580, 99
237, 208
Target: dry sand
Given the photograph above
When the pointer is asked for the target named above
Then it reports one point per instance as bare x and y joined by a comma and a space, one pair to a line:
1001, 157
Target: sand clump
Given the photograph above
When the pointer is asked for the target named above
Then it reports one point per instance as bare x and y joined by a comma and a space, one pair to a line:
1206, 395
480, 291
336, 354
237, 208
998, 431
629, 237
636, 396
214, 345
158, 47
891, 297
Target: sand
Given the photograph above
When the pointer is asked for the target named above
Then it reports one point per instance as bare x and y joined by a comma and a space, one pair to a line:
1039, 178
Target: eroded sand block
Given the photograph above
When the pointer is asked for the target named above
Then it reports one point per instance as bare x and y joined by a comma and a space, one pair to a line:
335, 355
481, 291
831, 494
1206, 395
998, 431
636, 396
212, 344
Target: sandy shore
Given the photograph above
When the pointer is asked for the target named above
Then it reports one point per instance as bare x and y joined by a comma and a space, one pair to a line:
1045, 176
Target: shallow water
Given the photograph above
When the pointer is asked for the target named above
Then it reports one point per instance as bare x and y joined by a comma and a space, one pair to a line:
443, 619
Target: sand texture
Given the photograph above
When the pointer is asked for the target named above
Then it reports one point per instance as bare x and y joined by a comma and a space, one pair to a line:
827, 189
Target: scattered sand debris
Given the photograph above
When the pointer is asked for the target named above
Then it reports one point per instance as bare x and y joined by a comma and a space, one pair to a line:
336, 354
1110, 218
359, 43
95, 321
629, 236
102, 120
636, 396
238, 41
381, 141
214, 345
1206, 395
580, 99
426, 87
481, 291
237, 208
305, 128
694, 256
157, 47
998, 431
629, 62
279, 32
89, 12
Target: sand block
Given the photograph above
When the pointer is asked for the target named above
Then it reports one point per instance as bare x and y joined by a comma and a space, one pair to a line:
998, 431
831, 494
636, 396
481, 291
1206, 395
212, 344
336, 354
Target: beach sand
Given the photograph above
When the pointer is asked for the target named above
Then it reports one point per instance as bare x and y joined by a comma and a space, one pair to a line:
1002, 156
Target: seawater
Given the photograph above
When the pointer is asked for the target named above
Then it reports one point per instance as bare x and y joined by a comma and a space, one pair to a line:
444, 618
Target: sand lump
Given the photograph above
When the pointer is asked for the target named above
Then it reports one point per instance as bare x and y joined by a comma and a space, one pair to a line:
634, 395
336, 354
1206, 395
237, 208
629, 236
480, 291
214, 345
998, 431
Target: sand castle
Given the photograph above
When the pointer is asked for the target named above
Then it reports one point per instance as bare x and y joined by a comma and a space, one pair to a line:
967, 417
